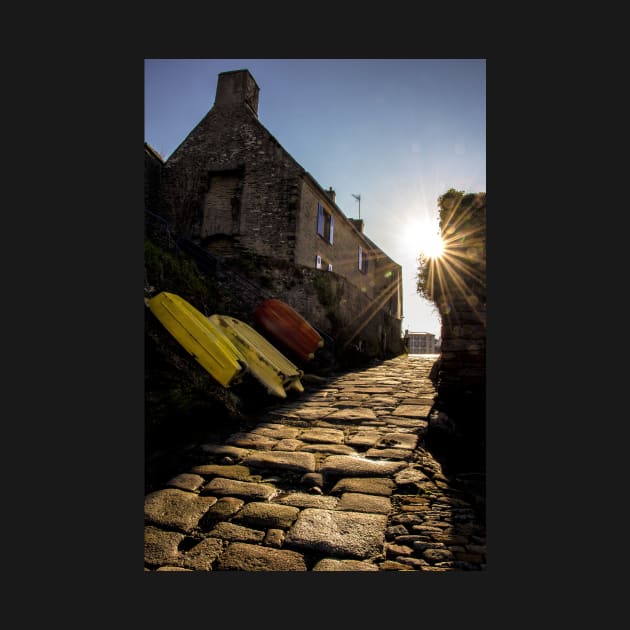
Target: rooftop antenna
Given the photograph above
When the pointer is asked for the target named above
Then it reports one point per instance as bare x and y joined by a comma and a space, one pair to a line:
358, 198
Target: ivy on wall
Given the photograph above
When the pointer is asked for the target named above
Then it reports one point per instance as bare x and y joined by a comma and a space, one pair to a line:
329, 297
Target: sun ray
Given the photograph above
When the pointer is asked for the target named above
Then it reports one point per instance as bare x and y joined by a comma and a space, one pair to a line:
455, 270
458, 282
371, 310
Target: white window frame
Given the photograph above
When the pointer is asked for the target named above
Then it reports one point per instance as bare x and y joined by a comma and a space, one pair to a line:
363, 259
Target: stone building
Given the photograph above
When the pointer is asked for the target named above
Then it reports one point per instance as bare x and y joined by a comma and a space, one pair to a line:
231, 188
420, 342
153, 164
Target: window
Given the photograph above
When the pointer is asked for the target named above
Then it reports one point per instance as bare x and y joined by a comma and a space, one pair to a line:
363, 260
320, 263
325, 223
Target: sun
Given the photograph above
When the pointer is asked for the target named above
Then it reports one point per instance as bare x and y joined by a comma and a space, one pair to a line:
423, 237
432, 245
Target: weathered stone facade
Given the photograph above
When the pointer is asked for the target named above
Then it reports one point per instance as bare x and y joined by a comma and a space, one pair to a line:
381, 277
153, 164
461, 300
230, 186
233, 190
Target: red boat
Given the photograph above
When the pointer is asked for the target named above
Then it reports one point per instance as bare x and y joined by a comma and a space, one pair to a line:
286, 327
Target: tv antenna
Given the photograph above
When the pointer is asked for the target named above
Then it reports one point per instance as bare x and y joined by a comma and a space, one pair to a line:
358, 198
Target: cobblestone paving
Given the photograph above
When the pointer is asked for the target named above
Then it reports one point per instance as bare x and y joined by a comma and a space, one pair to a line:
336, 479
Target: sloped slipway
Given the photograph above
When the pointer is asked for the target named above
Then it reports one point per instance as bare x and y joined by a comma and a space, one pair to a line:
337, 479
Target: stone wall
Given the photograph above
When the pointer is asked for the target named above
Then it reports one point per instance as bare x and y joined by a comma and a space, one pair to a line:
461, 299
462, 358
356, 322
327, 300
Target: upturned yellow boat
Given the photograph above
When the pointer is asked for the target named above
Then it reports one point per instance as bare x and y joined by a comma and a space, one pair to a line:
265, 362
199, 336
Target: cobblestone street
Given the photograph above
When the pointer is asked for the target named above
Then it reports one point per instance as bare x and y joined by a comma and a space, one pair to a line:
335, 479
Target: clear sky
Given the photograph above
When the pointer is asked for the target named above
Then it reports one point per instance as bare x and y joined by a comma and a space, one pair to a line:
397, 132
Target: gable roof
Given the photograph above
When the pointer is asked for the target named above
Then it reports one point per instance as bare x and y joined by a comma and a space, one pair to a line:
153, 153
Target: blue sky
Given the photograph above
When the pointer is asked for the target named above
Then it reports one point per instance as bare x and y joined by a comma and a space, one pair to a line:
397, 132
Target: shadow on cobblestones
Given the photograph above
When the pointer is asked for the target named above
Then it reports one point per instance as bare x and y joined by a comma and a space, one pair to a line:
338, 478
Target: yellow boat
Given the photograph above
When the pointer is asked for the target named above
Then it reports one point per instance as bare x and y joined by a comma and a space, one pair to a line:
265, 362
207, 343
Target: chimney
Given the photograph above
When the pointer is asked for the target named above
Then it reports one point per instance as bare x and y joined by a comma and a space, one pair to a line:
358, 223
237, 87
331, 193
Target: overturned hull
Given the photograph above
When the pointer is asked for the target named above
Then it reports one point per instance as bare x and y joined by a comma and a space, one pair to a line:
264, 361
286, 327
200, 337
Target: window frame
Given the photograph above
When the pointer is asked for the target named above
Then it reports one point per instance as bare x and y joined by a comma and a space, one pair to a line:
325, 223
322, 264
362, 260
